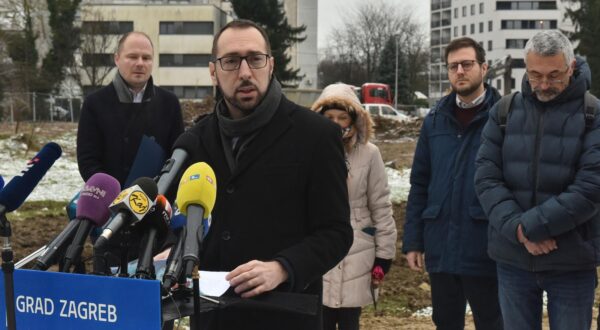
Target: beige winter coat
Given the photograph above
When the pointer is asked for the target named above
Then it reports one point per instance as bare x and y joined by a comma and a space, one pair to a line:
348, 284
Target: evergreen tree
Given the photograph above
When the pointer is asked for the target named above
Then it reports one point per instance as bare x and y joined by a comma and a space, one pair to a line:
271, 16
387, 67
65, 40
587, 30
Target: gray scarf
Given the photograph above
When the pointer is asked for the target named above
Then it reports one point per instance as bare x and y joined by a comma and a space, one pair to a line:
123, 92
245, 129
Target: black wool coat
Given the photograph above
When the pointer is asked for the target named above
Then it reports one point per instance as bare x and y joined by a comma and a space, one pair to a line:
110, 131
286, 199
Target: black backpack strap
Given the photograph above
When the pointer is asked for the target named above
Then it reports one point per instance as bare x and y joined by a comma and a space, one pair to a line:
590, 106
504, 105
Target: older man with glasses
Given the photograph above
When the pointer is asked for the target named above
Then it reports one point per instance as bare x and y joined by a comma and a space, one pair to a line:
445, 224
538, 180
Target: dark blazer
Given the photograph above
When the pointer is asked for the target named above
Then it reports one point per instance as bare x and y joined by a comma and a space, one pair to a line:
443, 216
110, 131
286, 199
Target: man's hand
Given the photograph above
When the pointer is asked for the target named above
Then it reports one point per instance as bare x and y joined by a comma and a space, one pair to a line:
256, 277
536, 248
415, 260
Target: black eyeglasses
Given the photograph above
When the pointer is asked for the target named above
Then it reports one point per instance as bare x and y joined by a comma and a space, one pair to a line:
466, 65
233, 62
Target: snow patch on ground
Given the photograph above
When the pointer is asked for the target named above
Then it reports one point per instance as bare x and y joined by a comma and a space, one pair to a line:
61, 182
399, 182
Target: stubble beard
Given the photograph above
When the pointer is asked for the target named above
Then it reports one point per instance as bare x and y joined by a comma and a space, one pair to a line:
547, 95
469, 89
238, 102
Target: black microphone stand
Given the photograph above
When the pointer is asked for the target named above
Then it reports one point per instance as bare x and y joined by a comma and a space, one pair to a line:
125, 245
8, 268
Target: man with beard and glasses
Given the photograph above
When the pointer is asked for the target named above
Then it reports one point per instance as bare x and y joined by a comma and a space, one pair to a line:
538, 180
281, 218
445, 224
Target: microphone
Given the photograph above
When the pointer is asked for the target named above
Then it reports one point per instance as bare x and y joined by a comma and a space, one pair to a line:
185, 145
130, 206
89, 207
17, 190
92, 209
196, 198
156, 228
173, 268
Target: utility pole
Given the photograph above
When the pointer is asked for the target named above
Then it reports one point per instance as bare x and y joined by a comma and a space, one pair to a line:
396, 76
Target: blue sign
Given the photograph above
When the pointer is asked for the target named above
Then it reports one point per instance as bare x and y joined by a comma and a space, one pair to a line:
48, 300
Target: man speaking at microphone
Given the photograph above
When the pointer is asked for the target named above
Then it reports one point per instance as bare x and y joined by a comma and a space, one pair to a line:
115, 118
281, 218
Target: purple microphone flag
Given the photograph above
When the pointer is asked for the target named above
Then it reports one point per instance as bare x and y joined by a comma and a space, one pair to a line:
95, 197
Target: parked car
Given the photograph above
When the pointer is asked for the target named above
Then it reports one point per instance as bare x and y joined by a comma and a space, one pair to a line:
385, 111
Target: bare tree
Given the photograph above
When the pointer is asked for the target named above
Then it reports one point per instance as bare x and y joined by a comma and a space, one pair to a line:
94, 59
361, 39
368, 27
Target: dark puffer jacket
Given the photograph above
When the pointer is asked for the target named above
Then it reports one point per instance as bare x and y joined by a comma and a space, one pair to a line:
443, 216
543, 172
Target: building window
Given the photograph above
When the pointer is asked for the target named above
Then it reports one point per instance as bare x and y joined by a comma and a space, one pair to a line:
489, 45
97, 60
456, 31
464, 11
464, 30
472, 28
528, 24
480, 27
499, 84
490, 25
525, 5
184, 60
446, 36
106, 27
189, 92
187, 28
455, 12
517, 63
472, 10
515, 43
481, 7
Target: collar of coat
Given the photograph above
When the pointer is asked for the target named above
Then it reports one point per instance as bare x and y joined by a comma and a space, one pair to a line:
124, 93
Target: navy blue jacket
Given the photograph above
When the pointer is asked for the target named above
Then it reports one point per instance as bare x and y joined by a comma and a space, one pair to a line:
543, 172
443, 216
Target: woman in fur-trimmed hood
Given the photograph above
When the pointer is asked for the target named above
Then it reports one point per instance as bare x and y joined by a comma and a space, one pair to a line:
353, 282
342, 96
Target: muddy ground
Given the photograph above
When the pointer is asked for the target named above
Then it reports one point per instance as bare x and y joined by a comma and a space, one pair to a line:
403, 293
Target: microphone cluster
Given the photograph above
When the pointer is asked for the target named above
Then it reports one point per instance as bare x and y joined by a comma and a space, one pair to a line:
143, 209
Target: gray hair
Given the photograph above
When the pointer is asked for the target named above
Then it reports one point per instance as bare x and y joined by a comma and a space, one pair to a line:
550, 43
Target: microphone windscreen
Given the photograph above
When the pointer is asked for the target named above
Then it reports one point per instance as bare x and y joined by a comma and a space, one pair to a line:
17, 190
178, 221
95, 197
187, 141
198, 186
148, 186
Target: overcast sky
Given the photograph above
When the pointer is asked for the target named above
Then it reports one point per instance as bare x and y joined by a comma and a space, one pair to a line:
331, 13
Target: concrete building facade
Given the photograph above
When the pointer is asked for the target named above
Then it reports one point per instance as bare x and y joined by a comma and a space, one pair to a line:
304, 55
181, 31
501, 27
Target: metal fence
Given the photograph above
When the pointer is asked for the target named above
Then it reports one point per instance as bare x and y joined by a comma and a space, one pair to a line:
39, 107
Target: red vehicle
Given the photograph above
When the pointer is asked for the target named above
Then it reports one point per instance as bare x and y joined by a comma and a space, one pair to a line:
374, 93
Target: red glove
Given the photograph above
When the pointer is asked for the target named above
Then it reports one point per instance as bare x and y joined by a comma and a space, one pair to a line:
377, 273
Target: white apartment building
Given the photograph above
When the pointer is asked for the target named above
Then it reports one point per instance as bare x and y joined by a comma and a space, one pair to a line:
181, 31
304, 55
501, 27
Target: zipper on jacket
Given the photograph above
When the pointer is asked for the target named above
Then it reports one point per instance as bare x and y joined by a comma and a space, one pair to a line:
535, 167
